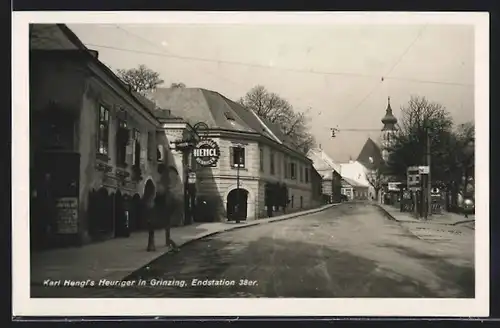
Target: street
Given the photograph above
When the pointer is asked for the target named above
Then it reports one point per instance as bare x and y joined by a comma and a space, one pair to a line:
351, 250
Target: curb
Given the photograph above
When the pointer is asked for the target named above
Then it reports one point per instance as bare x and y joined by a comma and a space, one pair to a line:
423, 221
256, 222
462, 222
291, 216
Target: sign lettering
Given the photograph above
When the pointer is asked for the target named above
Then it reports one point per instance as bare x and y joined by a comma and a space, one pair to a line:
206, 152
67, 215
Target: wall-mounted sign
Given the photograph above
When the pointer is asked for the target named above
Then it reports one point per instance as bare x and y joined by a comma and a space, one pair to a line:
67, 215
423, 169
206, 152
393, 186
413, 177
191, 177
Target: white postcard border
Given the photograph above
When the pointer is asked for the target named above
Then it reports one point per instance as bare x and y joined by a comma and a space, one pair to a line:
23, 305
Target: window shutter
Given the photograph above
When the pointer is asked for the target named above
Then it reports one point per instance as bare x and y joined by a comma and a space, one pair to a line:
134, 159
151, 146
129, 153
231, 156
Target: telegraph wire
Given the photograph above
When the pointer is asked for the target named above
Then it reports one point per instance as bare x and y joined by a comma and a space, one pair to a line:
316, 72
164, 51
398, 61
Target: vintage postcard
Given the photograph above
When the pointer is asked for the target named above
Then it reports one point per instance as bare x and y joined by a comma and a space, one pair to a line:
250, 164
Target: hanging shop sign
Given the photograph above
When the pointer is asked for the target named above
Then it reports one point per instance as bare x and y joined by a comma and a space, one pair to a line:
206, 152
67, 215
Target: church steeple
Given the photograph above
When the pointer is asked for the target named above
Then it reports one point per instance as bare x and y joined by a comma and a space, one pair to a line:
389, 120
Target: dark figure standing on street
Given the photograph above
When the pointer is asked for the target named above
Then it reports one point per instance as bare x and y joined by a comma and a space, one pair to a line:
269, 211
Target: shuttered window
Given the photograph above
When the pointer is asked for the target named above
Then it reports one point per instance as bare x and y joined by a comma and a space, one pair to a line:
103, 131
261, 159
152, 150
122, 136
272, 167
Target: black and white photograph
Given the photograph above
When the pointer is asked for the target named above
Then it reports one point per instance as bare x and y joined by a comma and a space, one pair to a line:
253, 163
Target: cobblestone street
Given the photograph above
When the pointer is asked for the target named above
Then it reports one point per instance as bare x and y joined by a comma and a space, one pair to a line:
352, 250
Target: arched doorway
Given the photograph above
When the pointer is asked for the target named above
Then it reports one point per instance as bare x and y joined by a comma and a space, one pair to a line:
120, 223
237, 202
135, 214
100, 213
93, 214
148, 200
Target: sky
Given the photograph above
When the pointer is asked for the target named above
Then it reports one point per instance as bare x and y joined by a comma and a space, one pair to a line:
342, 74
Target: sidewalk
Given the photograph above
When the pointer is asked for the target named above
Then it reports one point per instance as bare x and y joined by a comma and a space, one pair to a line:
116, 258
446, 218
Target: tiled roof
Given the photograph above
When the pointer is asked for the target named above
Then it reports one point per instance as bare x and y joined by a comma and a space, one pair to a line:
61, 37
218, 112
321, 160
49, 37
353, 183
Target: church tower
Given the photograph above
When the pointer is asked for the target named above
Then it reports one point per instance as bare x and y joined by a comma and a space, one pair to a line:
388, 130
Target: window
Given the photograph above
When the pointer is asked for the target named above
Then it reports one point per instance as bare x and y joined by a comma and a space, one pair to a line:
237, 157
160, 153
261, 152
103, 133
285, 167
306, 174
278, 164
293, 171
152, 150
272, 162
301, 174
136, 137
122, 135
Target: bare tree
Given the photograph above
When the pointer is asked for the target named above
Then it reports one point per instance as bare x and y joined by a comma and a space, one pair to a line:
179, 85
465, 135
451, 149
277, 110
141, 79
376, 178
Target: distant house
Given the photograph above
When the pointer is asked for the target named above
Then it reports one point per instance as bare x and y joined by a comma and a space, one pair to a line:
354, 190
330, 173
317, 198
369, 159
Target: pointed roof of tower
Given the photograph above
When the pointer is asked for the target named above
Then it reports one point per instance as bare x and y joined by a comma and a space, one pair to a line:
389, 120
370, 155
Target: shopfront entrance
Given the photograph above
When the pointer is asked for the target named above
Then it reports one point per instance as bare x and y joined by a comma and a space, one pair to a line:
237, 202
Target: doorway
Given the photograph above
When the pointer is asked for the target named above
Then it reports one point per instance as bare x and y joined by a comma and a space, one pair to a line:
120, 224
237, 202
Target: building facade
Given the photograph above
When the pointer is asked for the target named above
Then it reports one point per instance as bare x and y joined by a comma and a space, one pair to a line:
96, 149
318, 196
354, 190
244, 168
330, 173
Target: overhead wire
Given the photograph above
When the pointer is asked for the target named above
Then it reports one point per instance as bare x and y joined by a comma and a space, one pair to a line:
164, 51
297, 70
375, 87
